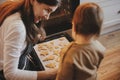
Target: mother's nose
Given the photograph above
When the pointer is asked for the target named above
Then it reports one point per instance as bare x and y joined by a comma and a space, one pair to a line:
47, 16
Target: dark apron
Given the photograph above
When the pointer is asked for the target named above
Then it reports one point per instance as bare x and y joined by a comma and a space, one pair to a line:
29, 60
2, 75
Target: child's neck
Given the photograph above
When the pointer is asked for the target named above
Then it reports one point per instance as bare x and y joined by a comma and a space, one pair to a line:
79, 39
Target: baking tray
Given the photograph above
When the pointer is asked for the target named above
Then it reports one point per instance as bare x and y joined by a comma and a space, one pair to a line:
48, 50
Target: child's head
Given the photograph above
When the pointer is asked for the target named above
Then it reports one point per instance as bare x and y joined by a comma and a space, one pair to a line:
87, 19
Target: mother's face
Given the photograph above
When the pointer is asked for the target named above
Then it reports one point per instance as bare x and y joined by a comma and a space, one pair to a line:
42, 11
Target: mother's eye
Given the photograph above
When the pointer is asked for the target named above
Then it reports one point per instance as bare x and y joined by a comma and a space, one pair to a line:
48, 10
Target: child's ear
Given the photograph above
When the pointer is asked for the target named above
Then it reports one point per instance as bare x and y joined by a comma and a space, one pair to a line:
73, 27
73, 31
31, 1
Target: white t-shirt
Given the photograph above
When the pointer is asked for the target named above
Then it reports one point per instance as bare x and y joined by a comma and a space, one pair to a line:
12, 43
